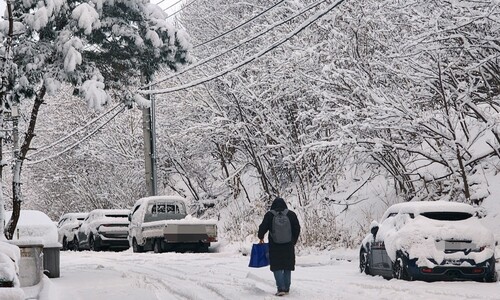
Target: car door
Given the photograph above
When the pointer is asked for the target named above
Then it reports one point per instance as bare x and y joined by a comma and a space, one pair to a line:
377, 257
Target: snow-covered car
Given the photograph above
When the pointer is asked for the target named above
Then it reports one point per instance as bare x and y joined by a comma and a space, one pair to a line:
429, 240
67, 229
104, 229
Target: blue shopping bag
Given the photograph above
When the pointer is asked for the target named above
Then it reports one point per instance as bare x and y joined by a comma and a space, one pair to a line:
260, 256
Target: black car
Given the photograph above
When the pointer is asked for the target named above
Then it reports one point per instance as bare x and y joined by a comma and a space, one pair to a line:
429, 241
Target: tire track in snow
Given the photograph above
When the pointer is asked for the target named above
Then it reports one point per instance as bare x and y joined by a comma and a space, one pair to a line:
172, 280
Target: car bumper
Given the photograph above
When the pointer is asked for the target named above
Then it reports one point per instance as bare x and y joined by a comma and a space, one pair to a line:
475, 272
113, 242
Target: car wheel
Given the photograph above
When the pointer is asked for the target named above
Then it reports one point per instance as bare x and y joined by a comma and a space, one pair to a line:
65, 244
491, 277
76, 244
363, 262
93, 245
135, 247
399, 269
157, 246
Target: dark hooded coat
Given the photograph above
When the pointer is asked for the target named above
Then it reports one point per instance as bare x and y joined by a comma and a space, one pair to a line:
281, 256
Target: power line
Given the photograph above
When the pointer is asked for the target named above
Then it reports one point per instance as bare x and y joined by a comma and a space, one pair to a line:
182, 8
261, 33
240, 25
78, 142
170, 5
74, 132
303, 26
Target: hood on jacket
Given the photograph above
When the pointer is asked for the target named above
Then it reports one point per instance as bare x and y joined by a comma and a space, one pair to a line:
278, 204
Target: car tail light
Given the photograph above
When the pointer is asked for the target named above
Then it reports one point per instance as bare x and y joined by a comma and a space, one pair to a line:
477, 270
426, 270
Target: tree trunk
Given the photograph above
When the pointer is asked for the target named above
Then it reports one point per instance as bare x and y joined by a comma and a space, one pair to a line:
20, 156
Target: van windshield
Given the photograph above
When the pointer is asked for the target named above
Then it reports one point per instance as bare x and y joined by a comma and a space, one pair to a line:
447, 215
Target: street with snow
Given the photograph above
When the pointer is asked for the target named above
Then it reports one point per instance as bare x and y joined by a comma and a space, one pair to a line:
224, 274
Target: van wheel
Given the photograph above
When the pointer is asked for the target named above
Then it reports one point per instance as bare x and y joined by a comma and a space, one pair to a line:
135, 247
157, 246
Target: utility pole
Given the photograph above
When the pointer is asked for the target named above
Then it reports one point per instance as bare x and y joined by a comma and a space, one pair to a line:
148, 127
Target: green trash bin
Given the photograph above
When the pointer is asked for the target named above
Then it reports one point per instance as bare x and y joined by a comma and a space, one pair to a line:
51, 261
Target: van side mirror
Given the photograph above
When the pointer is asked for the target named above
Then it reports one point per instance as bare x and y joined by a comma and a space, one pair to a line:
129, 217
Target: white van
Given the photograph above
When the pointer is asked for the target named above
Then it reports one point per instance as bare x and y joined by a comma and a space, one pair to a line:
161, 223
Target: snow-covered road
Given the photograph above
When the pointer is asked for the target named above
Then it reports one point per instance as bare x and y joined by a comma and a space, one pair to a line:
225, 275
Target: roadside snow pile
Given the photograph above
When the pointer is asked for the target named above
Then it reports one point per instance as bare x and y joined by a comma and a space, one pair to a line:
10, 255
35, 227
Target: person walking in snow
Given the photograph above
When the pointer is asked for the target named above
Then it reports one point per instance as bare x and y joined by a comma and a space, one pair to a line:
284, 231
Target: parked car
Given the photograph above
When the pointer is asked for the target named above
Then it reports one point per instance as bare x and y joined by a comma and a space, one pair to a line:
67, 229
104, 229
161, 223
429, 240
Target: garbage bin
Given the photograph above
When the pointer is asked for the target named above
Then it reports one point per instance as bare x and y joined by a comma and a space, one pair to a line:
51, 260
30, 264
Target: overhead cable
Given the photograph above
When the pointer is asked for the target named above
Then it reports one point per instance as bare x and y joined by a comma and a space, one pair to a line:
240, 25
170, 5
78, 142
261, 33
74, 131
176, 12
191, 84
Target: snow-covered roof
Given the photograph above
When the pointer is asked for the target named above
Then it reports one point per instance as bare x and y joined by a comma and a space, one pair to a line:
110, 212
34, 227
74, 215
420, 207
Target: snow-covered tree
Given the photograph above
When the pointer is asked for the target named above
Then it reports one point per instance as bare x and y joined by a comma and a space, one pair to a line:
93, 45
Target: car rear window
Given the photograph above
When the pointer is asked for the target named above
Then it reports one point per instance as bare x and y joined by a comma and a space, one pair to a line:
447, 215
116, 216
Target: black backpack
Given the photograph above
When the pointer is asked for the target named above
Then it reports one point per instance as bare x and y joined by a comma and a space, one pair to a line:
281, 230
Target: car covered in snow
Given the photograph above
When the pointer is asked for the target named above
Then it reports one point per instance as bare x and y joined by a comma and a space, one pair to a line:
104, 229
67, 229
429, 240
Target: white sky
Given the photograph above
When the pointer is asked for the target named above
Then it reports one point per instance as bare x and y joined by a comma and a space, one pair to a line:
2, 6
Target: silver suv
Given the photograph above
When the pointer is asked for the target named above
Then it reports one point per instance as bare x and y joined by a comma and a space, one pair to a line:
104, 229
